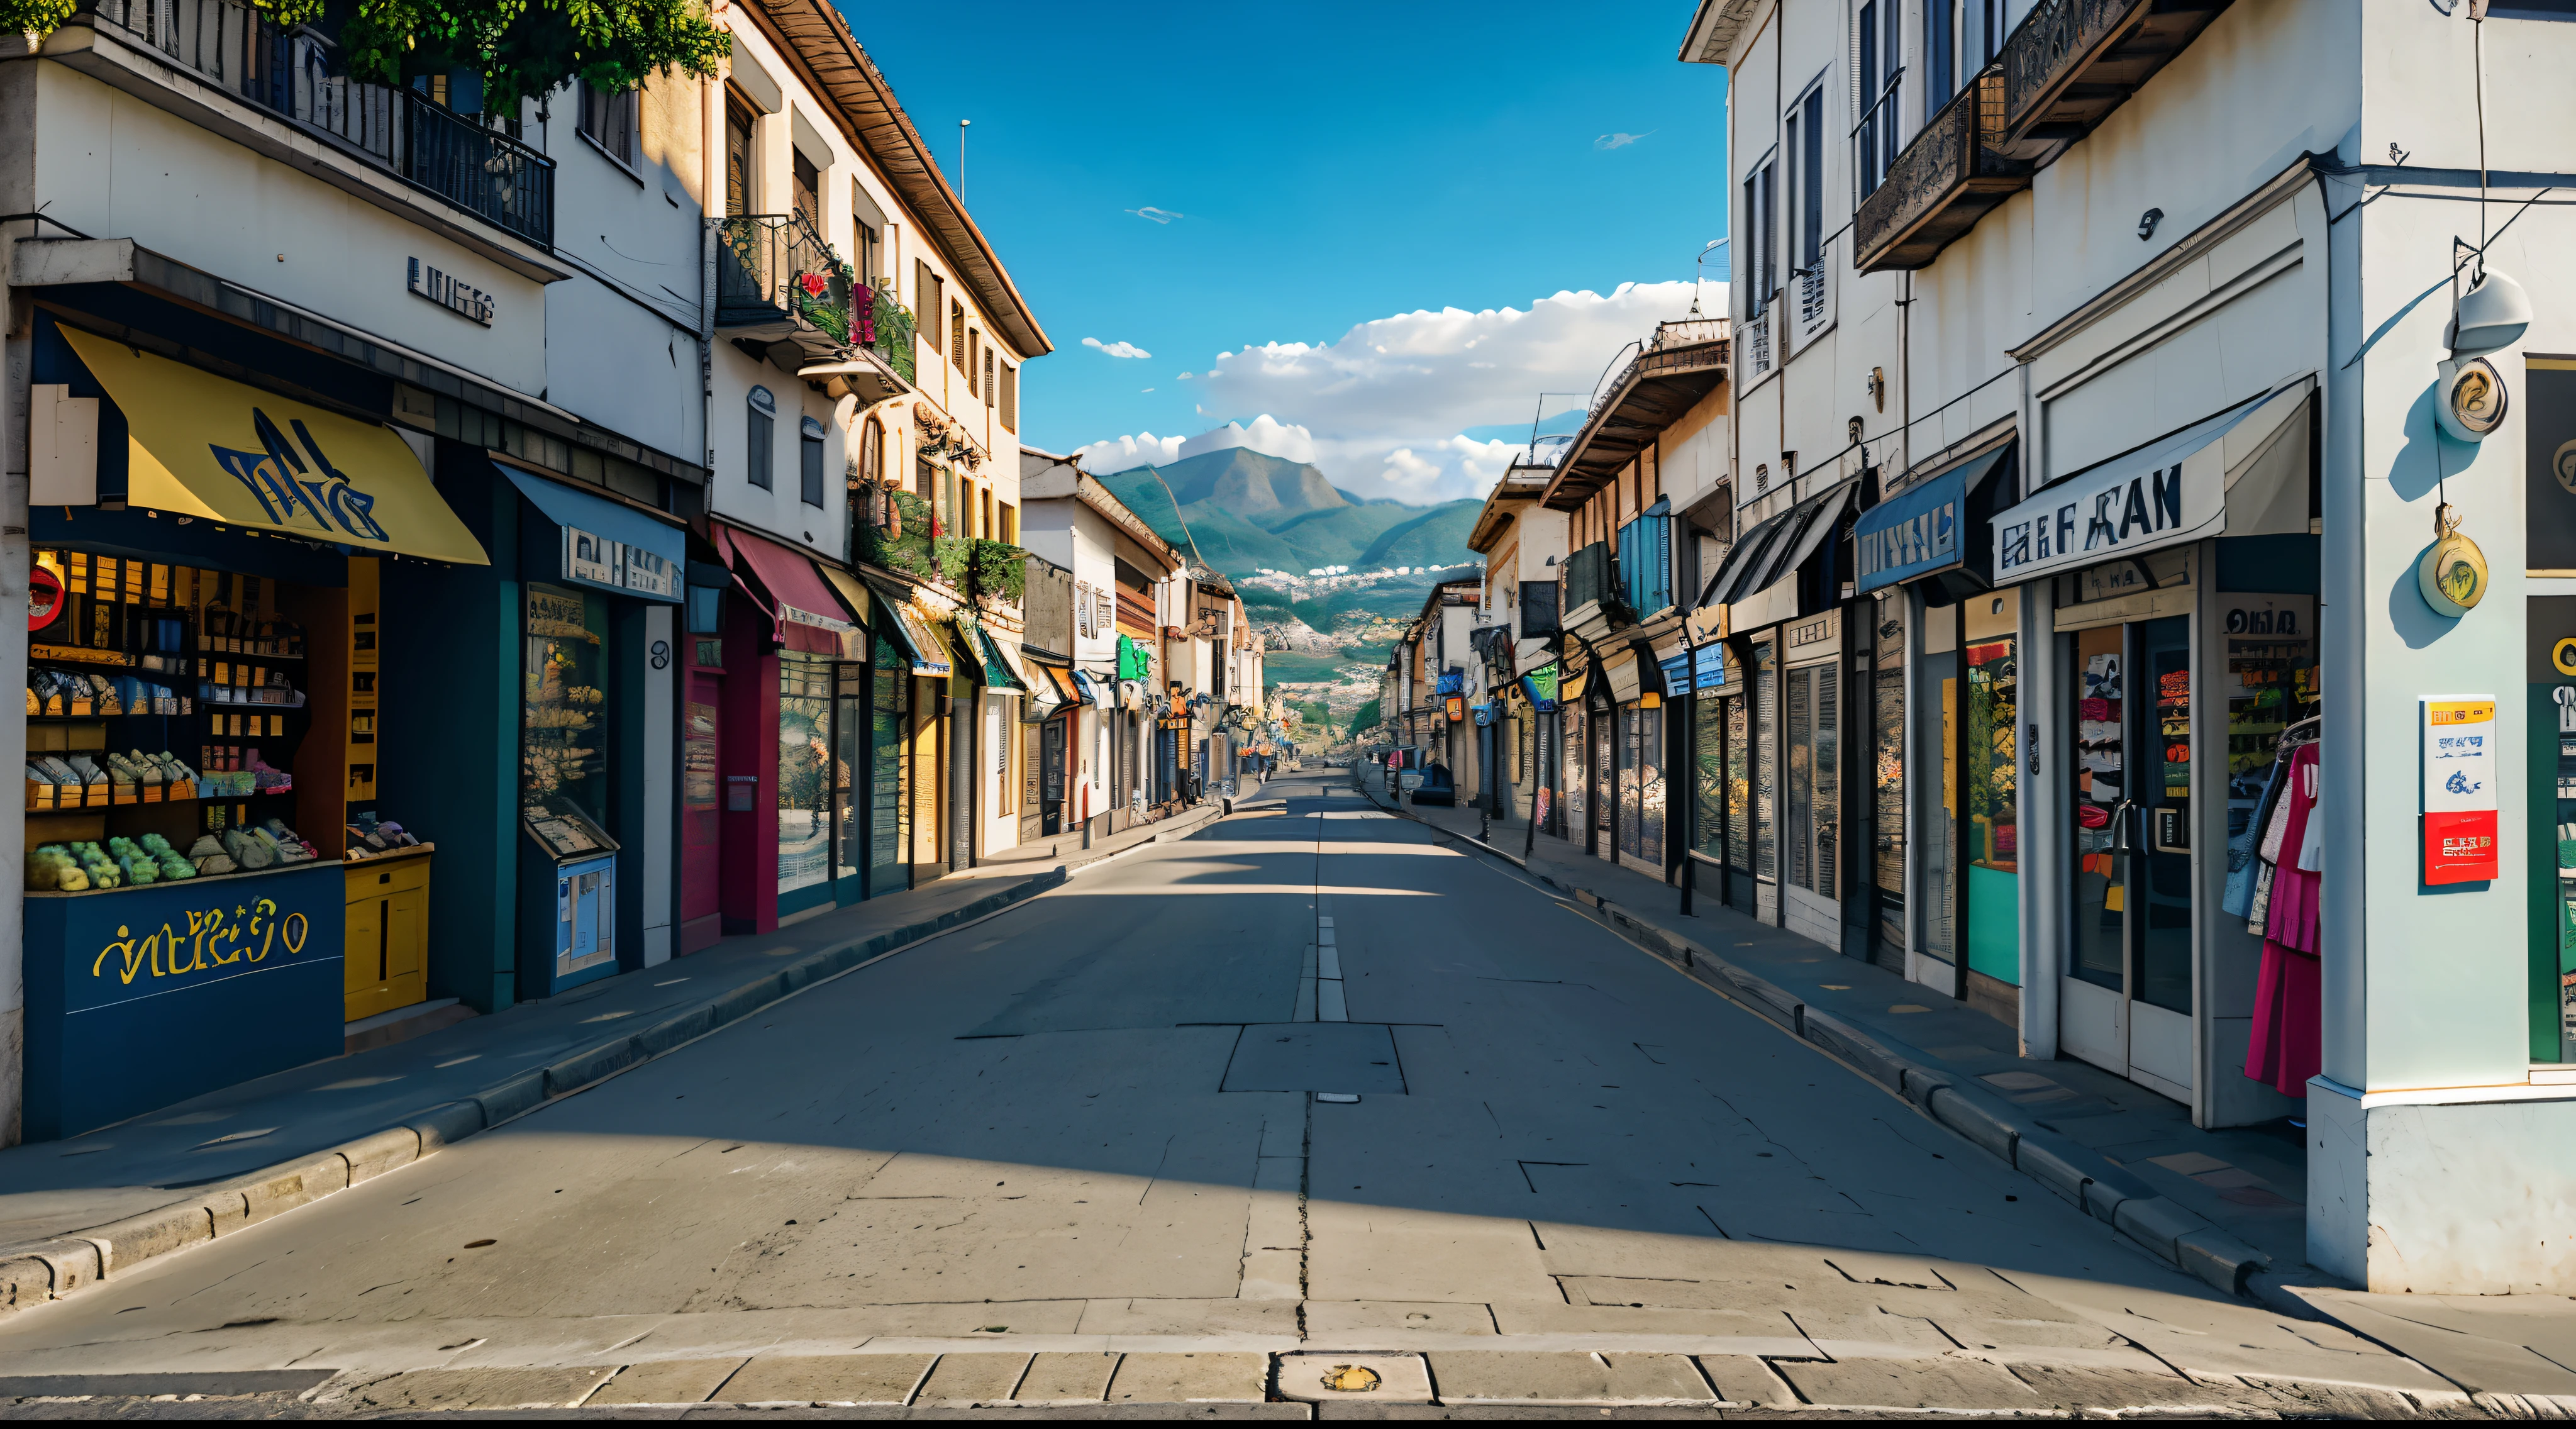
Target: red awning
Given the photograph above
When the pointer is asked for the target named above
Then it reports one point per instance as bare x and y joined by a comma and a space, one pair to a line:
810, 617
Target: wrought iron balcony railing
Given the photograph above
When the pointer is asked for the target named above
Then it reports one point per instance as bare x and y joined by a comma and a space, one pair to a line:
2069, 63
776, 278
1954, 172
295, 72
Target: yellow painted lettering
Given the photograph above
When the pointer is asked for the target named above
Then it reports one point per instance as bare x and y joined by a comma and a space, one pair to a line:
264, 926
297, 926
124, 949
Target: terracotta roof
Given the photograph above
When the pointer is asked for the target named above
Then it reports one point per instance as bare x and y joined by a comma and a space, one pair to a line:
817, 40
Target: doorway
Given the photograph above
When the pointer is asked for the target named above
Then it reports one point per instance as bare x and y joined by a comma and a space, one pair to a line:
2129, 1008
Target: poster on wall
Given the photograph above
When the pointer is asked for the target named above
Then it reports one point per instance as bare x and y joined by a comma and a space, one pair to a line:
2460, 789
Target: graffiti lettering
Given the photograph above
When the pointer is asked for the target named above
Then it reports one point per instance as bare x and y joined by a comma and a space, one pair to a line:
276, 476
212, 939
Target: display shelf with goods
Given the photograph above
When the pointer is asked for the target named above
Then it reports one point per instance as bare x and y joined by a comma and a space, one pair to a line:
181, 880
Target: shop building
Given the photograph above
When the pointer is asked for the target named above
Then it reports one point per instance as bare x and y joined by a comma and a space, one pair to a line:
2160, 539
854, 688
356, 584
1124, 577
1522, 541
1624, 649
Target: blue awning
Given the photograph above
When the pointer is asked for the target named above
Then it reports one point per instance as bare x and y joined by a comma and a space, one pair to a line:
607, 545
1922, 530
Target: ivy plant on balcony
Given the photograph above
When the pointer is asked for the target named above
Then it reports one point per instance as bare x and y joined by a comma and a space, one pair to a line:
997, 569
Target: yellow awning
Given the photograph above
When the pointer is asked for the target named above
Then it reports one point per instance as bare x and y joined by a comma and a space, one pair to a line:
203, 446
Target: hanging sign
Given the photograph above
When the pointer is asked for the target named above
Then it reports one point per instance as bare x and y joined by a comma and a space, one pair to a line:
2470, 399
2460, 789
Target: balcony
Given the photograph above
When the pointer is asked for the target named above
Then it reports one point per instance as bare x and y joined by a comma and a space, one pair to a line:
1593, 601
777, 281
1671, 373
877, 362
1954, 173
296, 73
2071, 62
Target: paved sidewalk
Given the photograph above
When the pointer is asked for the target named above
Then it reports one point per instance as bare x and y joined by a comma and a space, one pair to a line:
2248, 1182
59, 1198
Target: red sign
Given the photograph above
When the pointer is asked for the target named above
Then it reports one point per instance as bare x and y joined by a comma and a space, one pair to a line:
44, 598
2461, 847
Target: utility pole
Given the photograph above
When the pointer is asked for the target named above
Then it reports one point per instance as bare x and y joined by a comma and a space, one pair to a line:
962, 125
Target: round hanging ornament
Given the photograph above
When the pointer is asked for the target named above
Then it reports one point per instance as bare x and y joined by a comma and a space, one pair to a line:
2470, 399
2453, 574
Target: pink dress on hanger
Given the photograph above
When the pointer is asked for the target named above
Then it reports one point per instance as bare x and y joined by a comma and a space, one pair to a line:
2288, 1042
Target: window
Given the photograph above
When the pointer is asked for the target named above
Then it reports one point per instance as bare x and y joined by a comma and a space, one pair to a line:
957, 334
1940, 54
608, 120
926, 481
1082, 609
1010, 398
1877, 72
871, 451
759, 456
1010, 527
809, 461
928, 295
1761, 257
864, 240
808, 179
1807, 143
738, 194
992, 395
1990, 30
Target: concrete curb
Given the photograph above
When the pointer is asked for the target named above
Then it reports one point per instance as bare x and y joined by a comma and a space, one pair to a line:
2166, 1229
36, 1272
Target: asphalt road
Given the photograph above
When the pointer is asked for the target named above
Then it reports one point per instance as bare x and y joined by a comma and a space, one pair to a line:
1089, 1124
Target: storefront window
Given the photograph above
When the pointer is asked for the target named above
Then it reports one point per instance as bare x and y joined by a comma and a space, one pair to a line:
1650, 786
1936, 735
1630, 760
1887, 774
563, 761
1766, 761
1991, 777
1815, 778
849, 768
2101, 865
1709, 771
888, 823
805, 782
1574, 770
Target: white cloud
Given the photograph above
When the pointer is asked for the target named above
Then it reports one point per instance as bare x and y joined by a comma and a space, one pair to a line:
1151, 214
1383, 409
1120, 453
1618, 141
1116, 349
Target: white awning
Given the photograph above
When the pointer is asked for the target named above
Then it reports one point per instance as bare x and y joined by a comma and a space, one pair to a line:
2172, 490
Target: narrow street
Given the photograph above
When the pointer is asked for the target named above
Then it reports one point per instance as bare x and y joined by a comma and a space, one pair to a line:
1314, 1080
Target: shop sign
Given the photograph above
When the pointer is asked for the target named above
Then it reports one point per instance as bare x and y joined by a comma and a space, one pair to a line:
1677, 673
451, 292
2165, 493
1913, 534
2459, 758
1821, 628
591, 557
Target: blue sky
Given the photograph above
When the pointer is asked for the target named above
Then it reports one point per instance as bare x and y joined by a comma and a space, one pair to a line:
1332, 164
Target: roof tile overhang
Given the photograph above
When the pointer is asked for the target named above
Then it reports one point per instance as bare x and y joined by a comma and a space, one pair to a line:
1519, 486
1655, 391
817, 40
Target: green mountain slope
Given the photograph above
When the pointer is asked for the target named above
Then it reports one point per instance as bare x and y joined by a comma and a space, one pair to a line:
1249, 511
